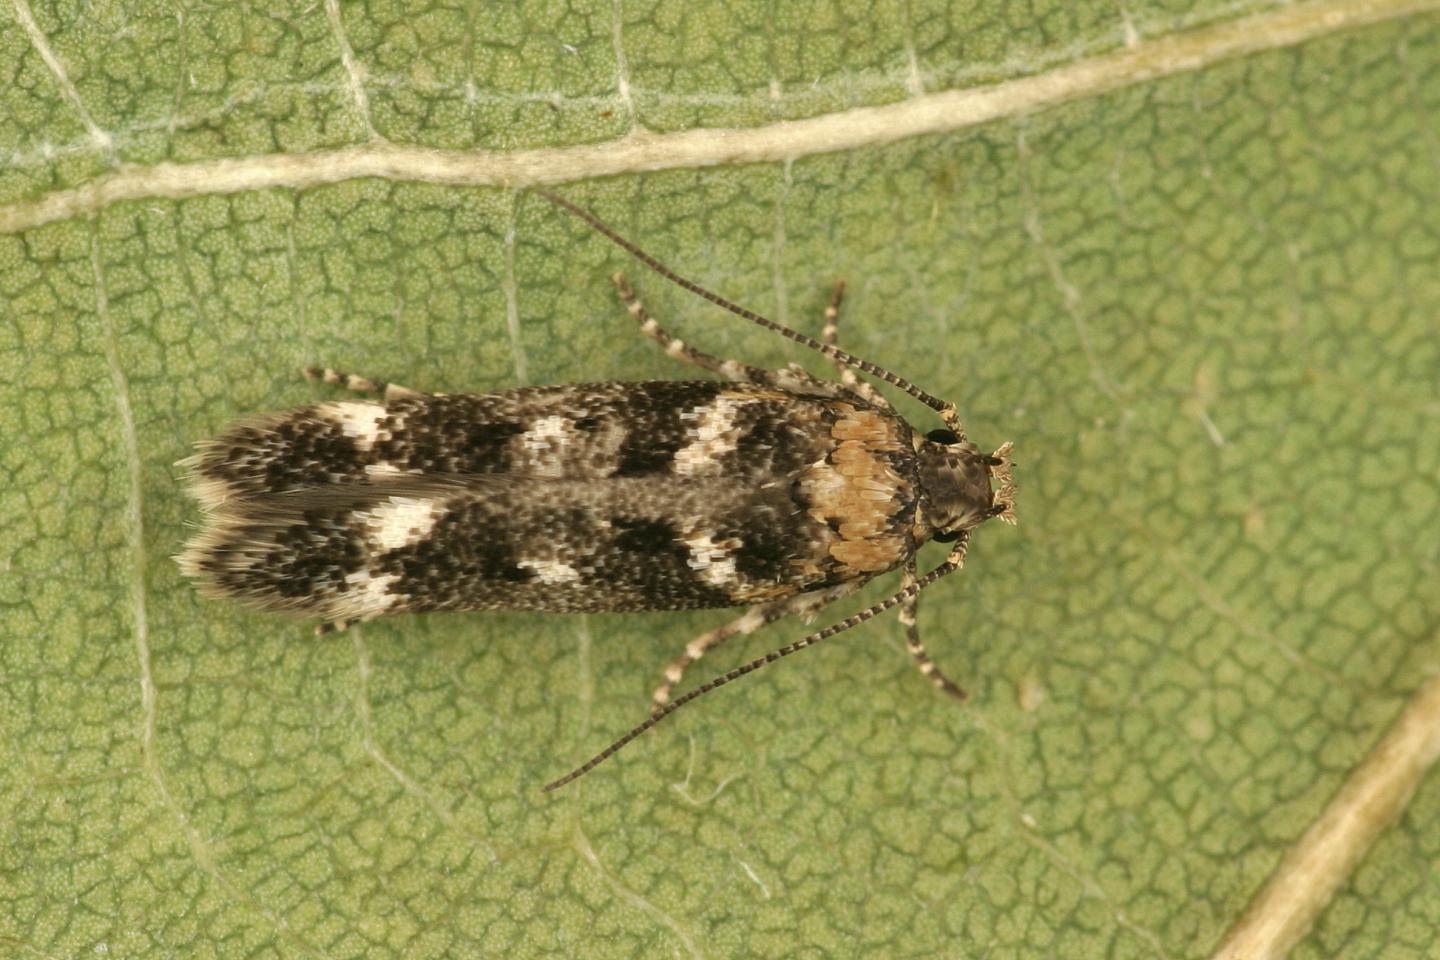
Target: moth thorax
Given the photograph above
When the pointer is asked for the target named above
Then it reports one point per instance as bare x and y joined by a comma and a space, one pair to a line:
956, 481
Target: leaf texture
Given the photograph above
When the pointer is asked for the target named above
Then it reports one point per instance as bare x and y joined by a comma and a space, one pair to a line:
1185, 259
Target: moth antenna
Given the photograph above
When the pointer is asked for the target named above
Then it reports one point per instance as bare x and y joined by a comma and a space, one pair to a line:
953, 562
947, 410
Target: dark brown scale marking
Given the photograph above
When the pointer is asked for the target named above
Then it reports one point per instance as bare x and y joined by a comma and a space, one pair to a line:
298, 559
467, 549
659, 421
484, 450
765, 553
765, 439
446, 435
321, 552
643, 455
801, 434
650, 560
285, 456
645, 537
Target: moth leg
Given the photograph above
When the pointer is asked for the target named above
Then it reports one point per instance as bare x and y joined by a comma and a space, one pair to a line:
908, 608
358, 384
830, 335
805, 604
679, 349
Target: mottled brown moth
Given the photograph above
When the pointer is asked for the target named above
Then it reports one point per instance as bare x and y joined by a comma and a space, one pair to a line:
773, 490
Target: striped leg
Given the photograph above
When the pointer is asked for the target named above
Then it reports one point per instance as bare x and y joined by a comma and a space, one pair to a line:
830, 335
806, 605
679, 349
927, 666
358, 384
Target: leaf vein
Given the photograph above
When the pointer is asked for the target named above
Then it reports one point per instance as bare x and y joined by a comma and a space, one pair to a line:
937, 113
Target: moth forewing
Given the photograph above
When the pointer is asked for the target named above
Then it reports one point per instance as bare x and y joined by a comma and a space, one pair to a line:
773, 490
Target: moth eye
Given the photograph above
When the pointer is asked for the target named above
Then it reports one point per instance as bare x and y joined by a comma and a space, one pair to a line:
993, 461
942, 436
948, 536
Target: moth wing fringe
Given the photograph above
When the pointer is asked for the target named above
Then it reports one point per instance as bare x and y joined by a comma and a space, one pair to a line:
236, 464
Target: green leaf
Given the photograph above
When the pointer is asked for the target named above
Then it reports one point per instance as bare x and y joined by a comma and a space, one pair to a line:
1184, 256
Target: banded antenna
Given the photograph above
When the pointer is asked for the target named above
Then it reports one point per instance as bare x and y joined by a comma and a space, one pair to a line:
953, 562
945, 409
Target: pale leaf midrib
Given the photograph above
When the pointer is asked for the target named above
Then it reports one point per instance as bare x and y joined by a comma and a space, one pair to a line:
936, 113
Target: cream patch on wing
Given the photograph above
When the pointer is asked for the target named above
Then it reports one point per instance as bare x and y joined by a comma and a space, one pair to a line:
365, 596
715, 436
398, 522
361, 421
713, 562
545, 446
551, 571
545, 430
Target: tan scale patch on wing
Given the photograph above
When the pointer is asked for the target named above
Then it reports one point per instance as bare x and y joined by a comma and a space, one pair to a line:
869, 556
857, 492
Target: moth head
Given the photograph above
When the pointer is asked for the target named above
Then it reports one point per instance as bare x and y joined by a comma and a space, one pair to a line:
963, 487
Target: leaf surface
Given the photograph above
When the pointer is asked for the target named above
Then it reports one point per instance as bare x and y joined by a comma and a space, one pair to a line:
1201, 296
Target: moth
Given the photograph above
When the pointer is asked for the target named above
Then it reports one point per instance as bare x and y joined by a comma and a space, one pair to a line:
773, 490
